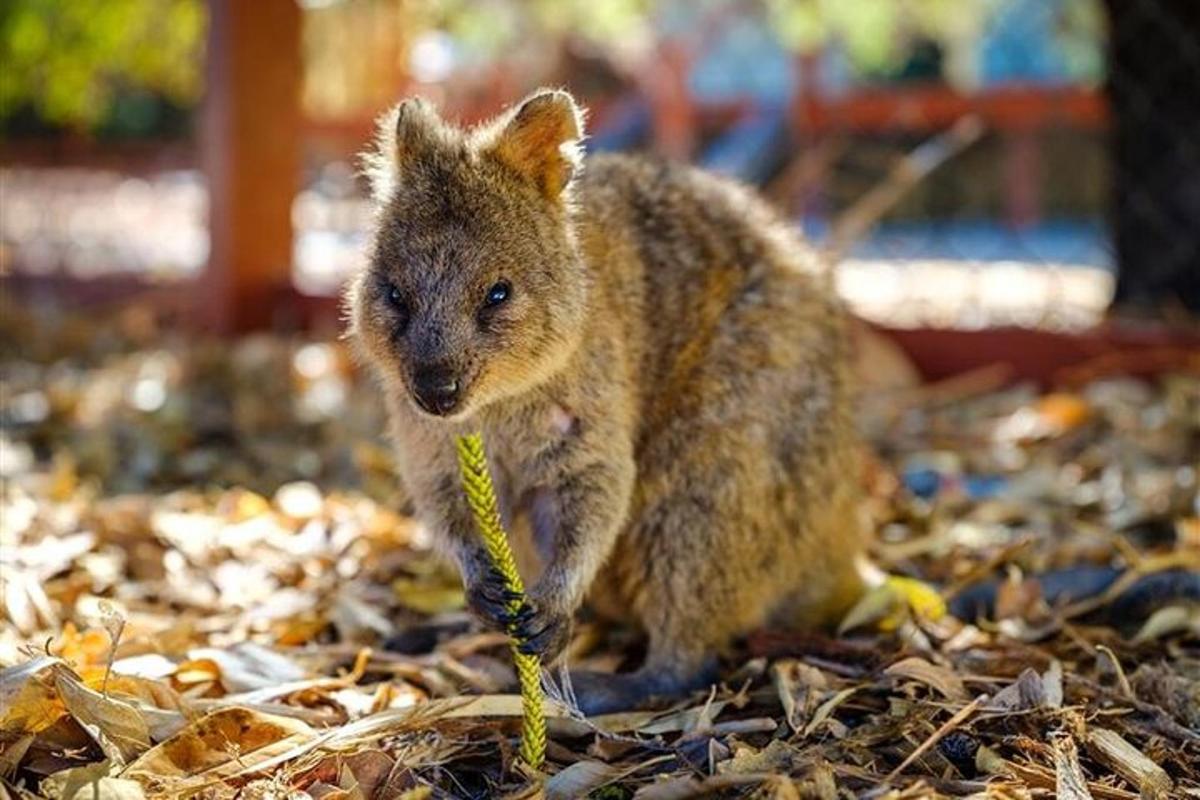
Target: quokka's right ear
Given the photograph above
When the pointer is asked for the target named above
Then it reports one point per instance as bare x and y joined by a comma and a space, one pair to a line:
406, 132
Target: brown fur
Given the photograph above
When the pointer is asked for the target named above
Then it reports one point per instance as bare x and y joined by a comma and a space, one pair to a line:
663, 396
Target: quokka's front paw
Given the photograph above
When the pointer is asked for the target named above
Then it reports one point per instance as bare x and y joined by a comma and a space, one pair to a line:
489, 599
545, 631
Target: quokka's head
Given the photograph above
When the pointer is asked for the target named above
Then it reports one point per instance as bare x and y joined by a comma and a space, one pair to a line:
474, 290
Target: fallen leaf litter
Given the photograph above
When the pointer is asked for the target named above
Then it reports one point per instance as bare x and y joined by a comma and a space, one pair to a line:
224, 514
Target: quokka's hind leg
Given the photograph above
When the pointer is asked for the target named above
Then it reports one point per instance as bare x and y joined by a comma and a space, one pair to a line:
745, 470
697, 567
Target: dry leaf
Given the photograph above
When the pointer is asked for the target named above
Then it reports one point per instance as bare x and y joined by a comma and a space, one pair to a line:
825, 711
801, 690
578, 779
322, 565
1027, 692
13, 752
685, 720
29, 704
877, 604
937, 677
1169, 620
82, 649
117, 726
428, 598
224, 742
688, 787
248, 666
92, 782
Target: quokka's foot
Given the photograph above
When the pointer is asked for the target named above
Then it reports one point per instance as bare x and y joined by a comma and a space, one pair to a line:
607, 693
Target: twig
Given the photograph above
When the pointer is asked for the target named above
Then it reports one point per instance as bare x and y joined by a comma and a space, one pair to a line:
1122, 681
937, 735
910, 170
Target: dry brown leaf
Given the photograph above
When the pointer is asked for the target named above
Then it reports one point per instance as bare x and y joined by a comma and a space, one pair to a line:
1052, 684
687, 787
684, 720
989, 762
198, 671
825, 711
365, 774
91, 782
777, 756
24, 601
877, 604
13, 750
219, 744
248, 665
1028, 691
1169, 620
428, 597
578, 779
117, 726
131, 687
936, 677
81, 649
801, 689
779, 787
29, 704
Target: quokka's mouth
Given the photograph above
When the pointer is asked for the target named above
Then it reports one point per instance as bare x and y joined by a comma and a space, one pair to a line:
435, 407
441, 406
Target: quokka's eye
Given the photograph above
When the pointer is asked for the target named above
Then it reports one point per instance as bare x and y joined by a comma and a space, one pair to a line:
497, 294
394, 296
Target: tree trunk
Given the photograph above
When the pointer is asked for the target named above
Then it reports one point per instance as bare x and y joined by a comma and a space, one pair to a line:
1154, 91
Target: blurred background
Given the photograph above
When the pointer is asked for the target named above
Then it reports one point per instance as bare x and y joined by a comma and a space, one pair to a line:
971, 164
1004, 185
194, 486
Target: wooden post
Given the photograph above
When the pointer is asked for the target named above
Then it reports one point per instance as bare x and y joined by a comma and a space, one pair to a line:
251, 151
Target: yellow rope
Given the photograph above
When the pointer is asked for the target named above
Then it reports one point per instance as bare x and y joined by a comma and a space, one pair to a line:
477, 483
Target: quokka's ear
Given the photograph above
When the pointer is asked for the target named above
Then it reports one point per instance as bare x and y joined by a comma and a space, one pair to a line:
404, 134
541, 140
416, 130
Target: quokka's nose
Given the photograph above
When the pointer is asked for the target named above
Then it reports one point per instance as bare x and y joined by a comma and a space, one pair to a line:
437, 389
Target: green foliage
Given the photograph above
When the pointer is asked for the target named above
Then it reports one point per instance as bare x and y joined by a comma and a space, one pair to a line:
489, 29
70, 60
868, 28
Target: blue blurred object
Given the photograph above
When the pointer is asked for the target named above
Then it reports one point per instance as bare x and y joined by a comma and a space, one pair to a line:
626, 127
984, 487
1066, 241
927, 483
1021, 44
923, 482
752, 149
742, 59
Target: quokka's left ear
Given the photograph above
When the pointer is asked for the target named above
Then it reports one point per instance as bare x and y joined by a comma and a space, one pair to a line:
541, 140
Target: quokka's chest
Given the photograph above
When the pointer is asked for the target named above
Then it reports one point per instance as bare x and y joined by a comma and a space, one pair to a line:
529, 450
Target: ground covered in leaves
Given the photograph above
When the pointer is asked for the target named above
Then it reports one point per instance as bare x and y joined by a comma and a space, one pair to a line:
202, 550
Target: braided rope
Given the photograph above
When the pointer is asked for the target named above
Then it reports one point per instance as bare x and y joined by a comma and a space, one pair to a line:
481, 496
